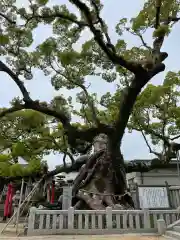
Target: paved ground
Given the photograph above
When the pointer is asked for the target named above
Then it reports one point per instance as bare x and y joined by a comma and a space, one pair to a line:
94, 237
9, 234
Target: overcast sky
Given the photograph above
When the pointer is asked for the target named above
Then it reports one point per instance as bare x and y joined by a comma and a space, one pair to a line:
133, 146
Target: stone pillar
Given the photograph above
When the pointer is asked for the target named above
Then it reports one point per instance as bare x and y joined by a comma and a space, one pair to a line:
67, 197
161, 225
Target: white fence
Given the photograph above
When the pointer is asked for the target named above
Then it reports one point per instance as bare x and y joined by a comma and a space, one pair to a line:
45, 222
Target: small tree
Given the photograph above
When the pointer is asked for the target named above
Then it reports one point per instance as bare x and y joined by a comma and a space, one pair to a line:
69, 68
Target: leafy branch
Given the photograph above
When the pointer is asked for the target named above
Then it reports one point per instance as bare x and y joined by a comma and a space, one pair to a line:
7, 18
75, 167
89, 100
98, 36
18, 82
72, 132
142, 76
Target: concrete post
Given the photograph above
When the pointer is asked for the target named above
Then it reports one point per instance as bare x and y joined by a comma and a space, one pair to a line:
161, 225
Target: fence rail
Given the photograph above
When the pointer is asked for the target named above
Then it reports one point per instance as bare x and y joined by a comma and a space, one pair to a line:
45, 222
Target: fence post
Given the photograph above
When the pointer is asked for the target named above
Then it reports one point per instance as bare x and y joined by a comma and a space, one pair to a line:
161, 226
71, 218
31, 220
147, 223
109, 218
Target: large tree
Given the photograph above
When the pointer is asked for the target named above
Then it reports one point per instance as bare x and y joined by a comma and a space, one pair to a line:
70, 67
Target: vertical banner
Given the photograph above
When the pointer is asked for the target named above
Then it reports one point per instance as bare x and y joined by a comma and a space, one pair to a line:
52, 191
10, 201
6, 205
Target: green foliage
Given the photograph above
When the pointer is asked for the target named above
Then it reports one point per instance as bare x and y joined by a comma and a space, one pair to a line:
27, 134
161, 31
4, 39
42, 2
74, 64
146, 18
157, 109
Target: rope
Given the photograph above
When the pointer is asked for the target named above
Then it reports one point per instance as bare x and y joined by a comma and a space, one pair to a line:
104, 194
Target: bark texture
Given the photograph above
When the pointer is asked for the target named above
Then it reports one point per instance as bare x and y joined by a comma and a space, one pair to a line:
96, 185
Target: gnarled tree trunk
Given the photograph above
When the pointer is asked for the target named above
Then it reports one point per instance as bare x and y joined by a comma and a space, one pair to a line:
101, 182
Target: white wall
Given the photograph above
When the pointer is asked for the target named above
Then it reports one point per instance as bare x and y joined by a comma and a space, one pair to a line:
155, 177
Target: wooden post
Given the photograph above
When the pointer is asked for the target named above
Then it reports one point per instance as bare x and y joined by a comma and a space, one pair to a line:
19, 205
29, 195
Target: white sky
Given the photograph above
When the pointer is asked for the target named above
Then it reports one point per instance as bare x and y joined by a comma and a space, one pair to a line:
133, 145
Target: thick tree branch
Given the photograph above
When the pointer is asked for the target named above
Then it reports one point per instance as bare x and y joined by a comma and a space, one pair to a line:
72, 132
88, 135
131, 166
173, 19
7, 18
176, 137
127, 102
158, 11
143, 167
59, 15
160, 67
64, 160
29, 103
19, 83
158, 57
71, 157
103, 27
36, 106
129, 97
98, 36
5, 112
138, 82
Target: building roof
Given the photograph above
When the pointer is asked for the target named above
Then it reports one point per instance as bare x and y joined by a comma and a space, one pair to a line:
149, 161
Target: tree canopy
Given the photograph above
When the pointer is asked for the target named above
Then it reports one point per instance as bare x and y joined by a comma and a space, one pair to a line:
153, 110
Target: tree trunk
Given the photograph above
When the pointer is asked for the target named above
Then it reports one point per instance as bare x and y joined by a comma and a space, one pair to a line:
101, 182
